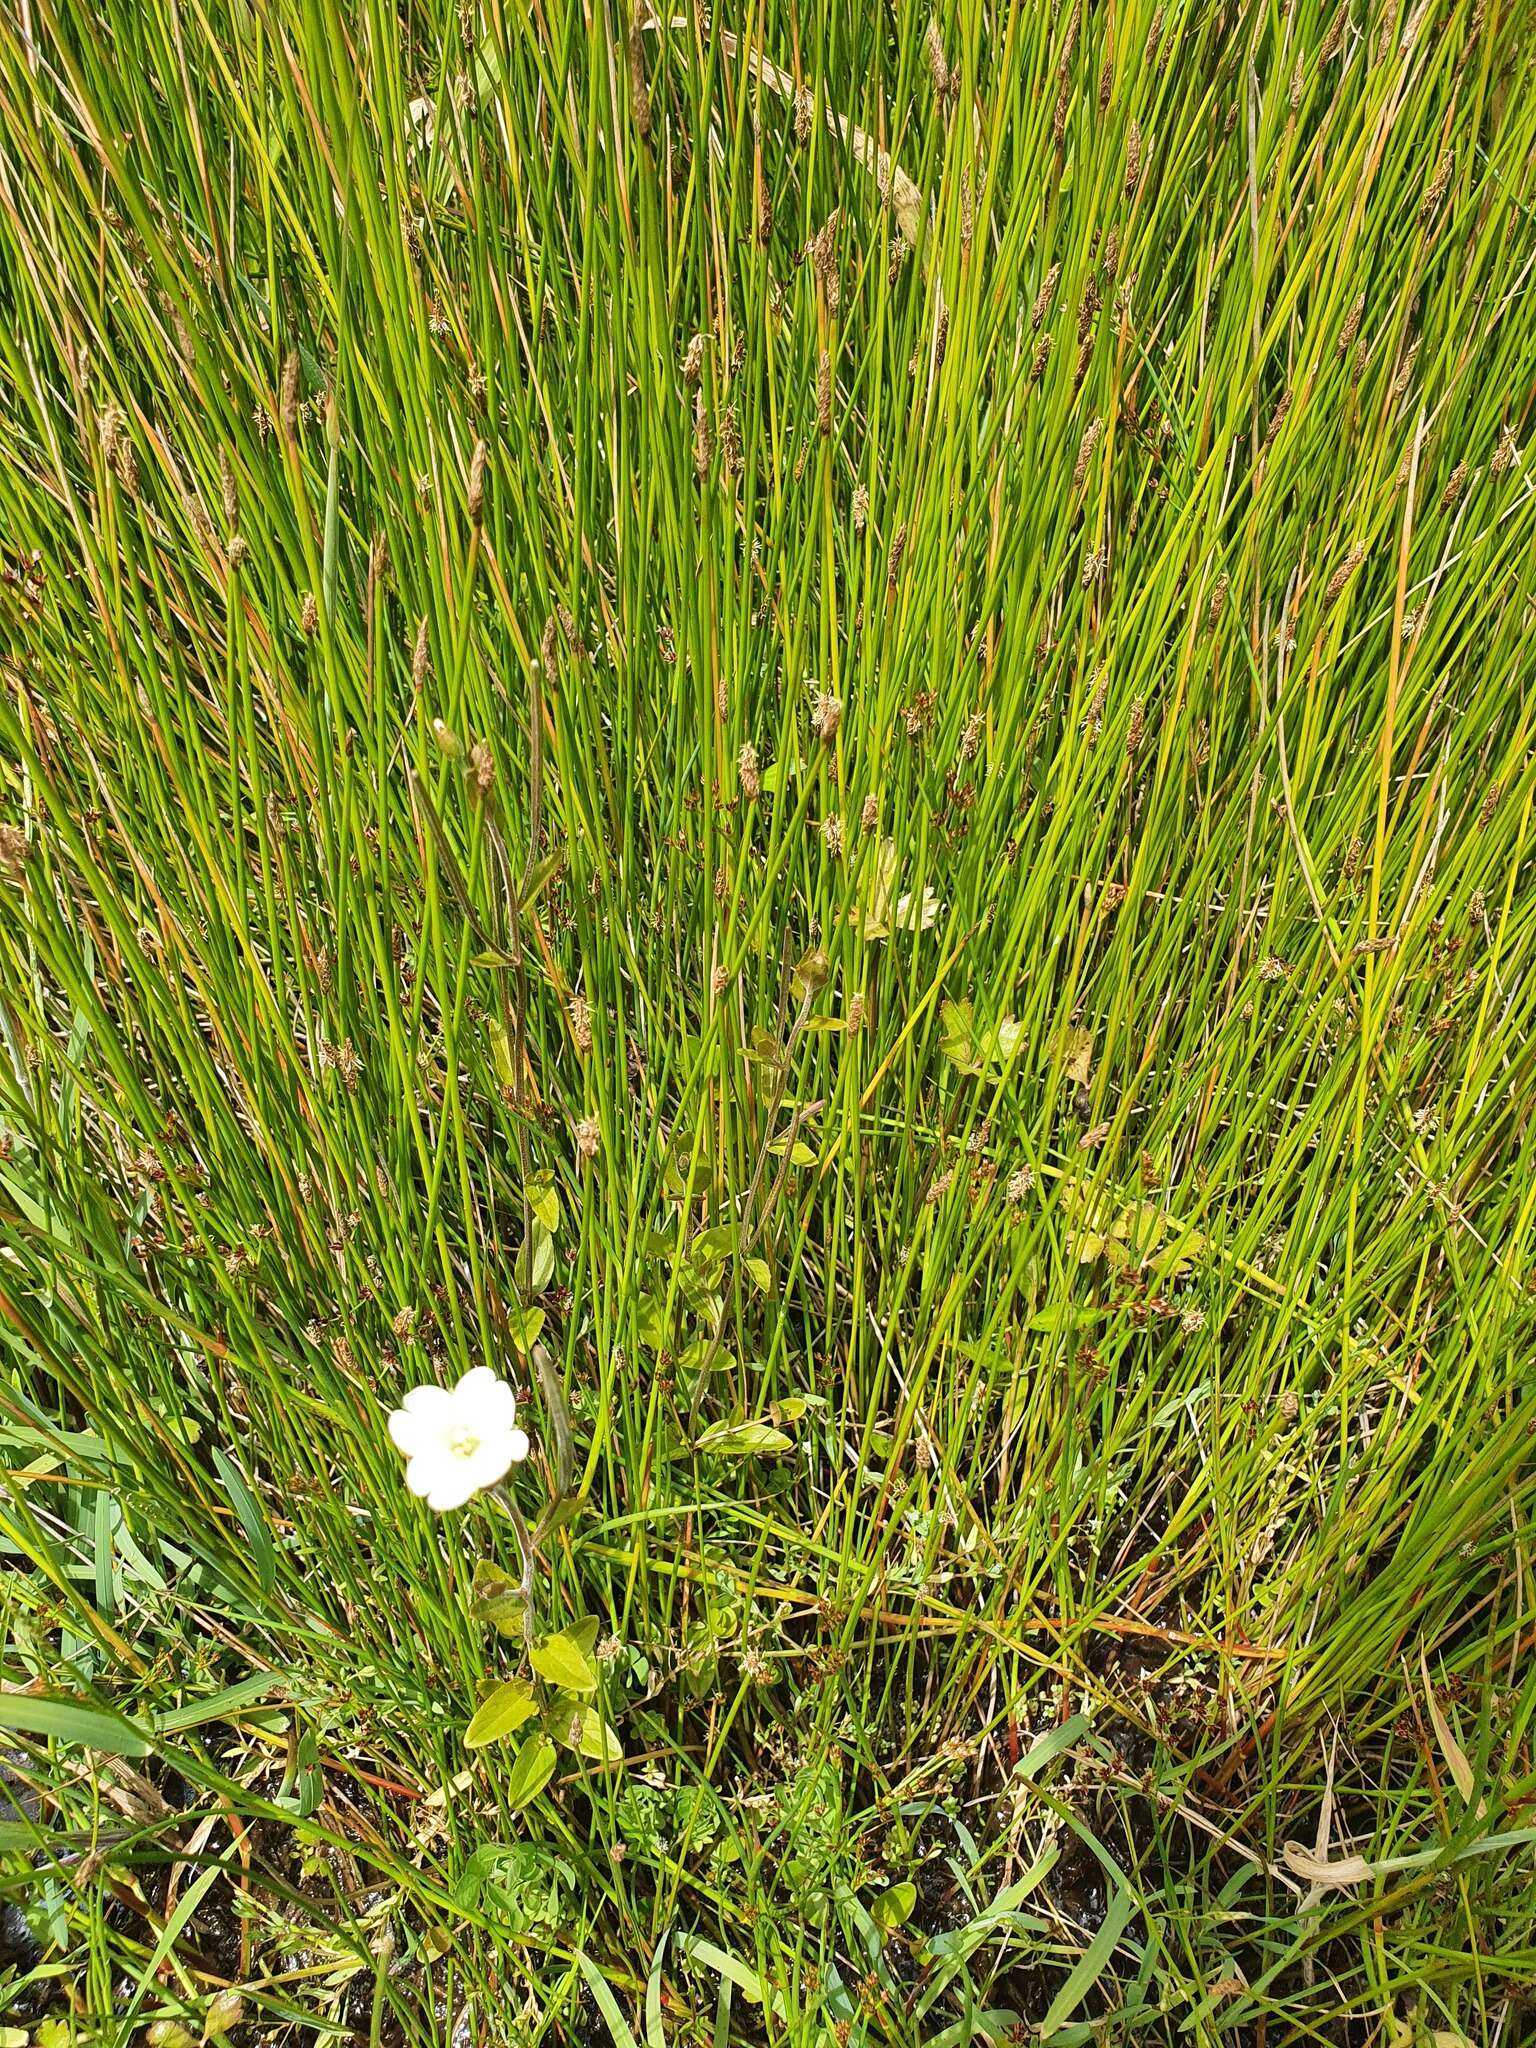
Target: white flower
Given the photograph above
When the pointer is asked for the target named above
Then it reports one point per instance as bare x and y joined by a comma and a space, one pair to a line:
458, 1441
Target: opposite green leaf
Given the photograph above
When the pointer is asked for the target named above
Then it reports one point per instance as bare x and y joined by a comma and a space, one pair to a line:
507, 1708
560, 1660
532, 1769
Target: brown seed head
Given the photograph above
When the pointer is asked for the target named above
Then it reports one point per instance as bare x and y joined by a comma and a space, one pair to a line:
732, 456
639, 90
1085, 448
938, 64
703, 439
826, 716
1277, 418
1132, 159
474, 501
898, 549
288, 407
747, 769
15, 850
1342, 574
1456, 483
1136, 729
1046, 293
1434, 191
420, 658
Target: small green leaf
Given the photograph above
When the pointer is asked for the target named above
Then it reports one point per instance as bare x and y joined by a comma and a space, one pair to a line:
560, 1660
800, 1154
498, 1599
764, 1050
716, 1242
894, 1906
538, 878
1065, 1316
543, 1201
532, 1769
743, 1440
507, 1708
535, 1260
653, 1325
583, 1729
524, 1327
757, 1272
501, 1054
584, 1634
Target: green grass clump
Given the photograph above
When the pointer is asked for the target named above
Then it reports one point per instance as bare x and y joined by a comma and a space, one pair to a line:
832, 710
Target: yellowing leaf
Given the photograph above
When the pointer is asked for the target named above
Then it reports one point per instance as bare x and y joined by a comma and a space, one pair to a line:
743, 1439
597, 1740
560, 1660
1456, 1760
873, 915
916, 913
507, 1708
544, 1202
1074, 1054
524, 1327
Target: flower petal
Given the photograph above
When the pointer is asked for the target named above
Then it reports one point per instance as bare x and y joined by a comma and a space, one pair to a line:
476, 1382
412, 1433
427, 1400
453, 1484
423, 1473
492, 1409
520, 1445
490, 1462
